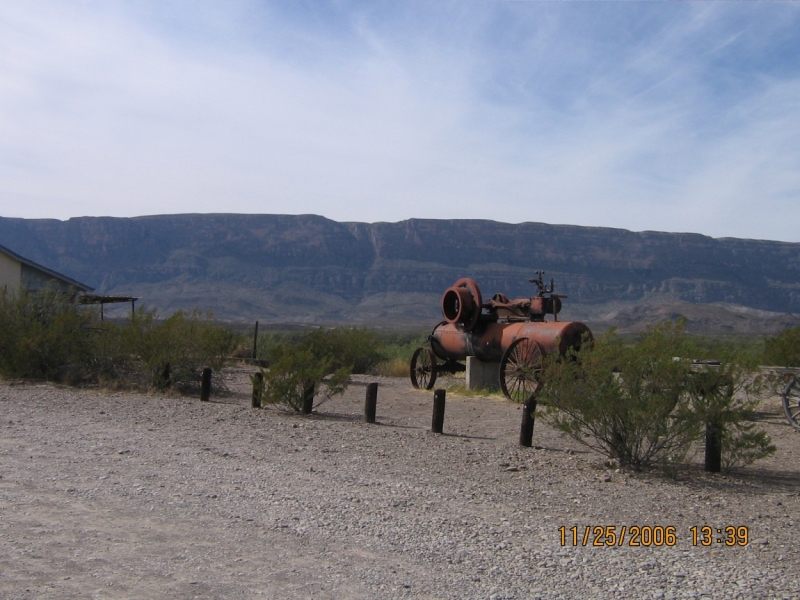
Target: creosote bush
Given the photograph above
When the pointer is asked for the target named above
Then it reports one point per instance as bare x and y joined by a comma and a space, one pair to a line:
645, 404
43, 335
397, 351
725, 397
170, 352
296, 371
784, 349
322, 360
360, 349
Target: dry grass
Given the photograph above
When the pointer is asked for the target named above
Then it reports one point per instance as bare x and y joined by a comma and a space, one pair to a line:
460, 389
396, 367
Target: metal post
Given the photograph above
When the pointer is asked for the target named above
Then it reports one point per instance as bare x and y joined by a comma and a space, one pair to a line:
370, 403
437, 424
205, 385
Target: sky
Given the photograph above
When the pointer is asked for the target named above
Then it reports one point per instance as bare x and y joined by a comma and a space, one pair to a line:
649, 115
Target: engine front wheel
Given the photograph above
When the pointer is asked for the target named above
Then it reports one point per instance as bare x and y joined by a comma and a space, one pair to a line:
423, 368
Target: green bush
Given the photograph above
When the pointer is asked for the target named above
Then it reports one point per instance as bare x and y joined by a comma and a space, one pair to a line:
784, 349
625, 401
359, 349
397, 351
726, 396
297, 369
369, 351
46, 336
172, 352
645, 404
401, 345
318, 362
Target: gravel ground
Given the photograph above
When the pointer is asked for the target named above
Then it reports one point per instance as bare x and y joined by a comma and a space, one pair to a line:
125, 495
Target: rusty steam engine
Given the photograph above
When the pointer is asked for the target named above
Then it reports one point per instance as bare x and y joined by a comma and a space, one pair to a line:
513, 333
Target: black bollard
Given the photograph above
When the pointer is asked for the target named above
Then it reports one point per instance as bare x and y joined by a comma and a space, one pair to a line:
437, 424
166, 376
528, 418
370, 403
258, 388
255, 343
308, 399
205, 385
713, 446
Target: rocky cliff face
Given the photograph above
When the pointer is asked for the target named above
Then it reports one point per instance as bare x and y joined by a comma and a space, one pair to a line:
308, 268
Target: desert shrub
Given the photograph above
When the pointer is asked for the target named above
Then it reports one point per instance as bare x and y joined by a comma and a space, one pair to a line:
359, 349
171, 352
320, 361
744, 348
44, 336
295, 371
725, 396
397, 350
625, 401
743, 444
269, 340
368, 351
645, 403
784, 349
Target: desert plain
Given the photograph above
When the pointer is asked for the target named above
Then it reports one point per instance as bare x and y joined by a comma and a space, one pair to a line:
117, 494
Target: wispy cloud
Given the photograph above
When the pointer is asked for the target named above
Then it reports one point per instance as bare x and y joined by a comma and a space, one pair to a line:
665, 116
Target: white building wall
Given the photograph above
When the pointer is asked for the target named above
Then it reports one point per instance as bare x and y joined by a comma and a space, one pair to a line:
10, 273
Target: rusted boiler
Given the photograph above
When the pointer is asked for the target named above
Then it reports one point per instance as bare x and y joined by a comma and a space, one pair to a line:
513, 333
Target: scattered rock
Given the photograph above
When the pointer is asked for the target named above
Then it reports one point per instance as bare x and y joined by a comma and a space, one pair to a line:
371, 508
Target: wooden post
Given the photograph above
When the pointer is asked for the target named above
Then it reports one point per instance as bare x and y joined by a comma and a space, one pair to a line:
713, 446
528, 418
166, 376
255, 343
205, 385
437, 424
308, 399
258, 388
371, 403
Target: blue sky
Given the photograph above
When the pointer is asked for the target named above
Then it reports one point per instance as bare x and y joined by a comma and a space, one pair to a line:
668, 116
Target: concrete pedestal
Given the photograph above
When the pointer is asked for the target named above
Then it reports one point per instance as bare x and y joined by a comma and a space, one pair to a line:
482, 375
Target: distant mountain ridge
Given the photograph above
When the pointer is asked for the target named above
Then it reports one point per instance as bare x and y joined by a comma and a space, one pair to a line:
311, 269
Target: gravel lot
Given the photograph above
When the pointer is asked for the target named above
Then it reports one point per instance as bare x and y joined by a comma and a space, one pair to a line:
125, 495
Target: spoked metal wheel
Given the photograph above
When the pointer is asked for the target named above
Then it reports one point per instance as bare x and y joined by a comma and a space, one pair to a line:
791, 401
423, 368
521, 370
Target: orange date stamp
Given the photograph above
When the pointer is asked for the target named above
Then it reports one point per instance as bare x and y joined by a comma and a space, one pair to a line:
651, 535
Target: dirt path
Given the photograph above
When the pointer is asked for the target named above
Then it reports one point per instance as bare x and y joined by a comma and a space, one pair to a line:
122, 495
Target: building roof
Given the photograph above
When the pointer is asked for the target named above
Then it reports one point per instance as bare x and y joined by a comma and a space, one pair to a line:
55, 274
